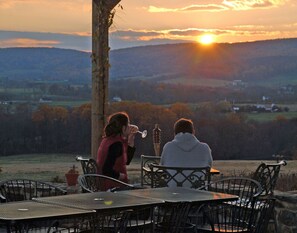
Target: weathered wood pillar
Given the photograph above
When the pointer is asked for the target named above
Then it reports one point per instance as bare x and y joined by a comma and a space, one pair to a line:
101, 16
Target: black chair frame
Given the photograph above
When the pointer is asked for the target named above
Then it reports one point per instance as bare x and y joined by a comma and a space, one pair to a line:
25, 189
164, 176
95, 183
89, 165
267, 175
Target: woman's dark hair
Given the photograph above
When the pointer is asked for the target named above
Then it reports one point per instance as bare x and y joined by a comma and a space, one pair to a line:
183, 125
115, 124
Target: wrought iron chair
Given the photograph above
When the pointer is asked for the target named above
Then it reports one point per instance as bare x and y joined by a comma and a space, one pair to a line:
89, 165
192, 177
25, 189
267, 175
262, 213
235, 216
171, 218
95, 183
145, 171
100, 222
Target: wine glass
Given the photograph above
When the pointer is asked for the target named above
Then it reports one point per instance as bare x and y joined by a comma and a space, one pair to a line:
135, 129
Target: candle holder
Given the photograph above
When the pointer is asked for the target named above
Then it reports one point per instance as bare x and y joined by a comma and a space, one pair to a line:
157, 139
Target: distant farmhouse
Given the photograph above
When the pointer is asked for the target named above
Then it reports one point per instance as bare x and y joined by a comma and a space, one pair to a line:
257, 108
286, 90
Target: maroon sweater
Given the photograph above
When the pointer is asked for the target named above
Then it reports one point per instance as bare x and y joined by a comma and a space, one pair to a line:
113, 156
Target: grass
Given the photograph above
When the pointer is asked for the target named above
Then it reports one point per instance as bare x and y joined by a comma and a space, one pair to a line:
52, 167
198, 82
42, 167
264, 117
73, 103
18, 90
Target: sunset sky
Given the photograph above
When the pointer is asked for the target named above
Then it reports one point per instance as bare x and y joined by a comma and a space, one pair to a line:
67, 23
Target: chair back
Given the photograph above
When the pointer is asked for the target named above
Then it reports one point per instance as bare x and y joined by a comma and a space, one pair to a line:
89, 165
145, 171
95, 183
262, 214
233, 216
172, 218
245, 188
267, 175
191, 177
24, 189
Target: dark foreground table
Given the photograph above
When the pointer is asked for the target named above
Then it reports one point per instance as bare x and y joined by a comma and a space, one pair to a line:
108, 204
26, 214
101, 201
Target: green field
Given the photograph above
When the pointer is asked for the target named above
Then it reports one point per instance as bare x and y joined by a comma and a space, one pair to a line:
198, 82
263, 117
17, 90
69, 103
43, 167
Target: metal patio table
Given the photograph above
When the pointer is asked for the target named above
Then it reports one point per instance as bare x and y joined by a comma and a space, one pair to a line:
101, 201
180, 194
23, 215
110, 203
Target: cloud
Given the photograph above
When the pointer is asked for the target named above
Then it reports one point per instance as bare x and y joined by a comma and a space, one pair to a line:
69, 5
25, 42
39, 39
237, 5
136, 35
169, 34
206, 7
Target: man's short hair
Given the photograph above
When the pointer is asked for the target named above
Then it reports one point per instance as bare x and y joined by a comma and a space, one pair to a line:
183, 125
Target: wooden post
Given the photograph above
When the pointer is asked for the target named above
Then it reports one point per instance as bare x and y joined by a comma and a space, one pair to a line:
101, 13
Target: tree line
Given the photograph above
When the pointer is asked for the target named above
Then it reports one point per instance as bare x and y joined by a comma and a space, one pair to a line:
52, 129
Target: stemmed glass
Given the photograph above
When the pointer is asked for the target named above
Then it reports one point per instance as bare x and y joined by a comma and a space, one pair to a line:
135, 129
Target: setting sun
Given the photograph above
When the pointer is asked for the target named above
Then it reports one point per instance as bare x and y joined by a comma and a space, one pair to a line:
206, 39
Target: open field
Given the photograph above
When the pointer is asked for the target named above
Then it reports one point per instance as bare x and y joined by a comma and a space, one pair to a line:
264, 117
47, 167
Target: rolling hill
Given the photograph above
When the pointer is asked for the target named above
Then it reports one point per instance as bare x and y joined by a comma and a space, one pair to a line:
272, 62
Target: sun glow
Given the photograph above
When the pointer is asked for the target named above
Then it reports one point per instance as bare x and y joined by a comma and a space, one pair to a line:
206, 39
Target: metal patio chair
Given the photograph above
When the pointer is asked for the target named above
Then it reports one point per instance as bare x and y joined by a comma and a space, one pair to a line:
95, 183
15, 190
145, 171
25, 189
172, 218
235, 216
89, 165
191, 177
267, 175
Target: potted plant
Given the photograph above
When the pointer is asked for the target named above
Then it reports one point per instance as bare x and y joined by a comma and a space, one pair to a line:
71, 176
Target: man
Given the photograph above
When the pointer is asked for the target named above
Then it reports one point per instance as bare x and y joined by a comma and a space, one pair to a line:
185, 150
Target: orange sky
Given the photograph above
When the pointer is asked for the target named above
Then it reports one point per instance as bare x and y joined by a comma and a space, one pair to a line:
67, 23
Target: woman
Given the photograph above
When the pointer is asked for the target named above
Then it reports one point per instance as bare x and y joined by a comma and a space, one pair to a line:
117, 147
